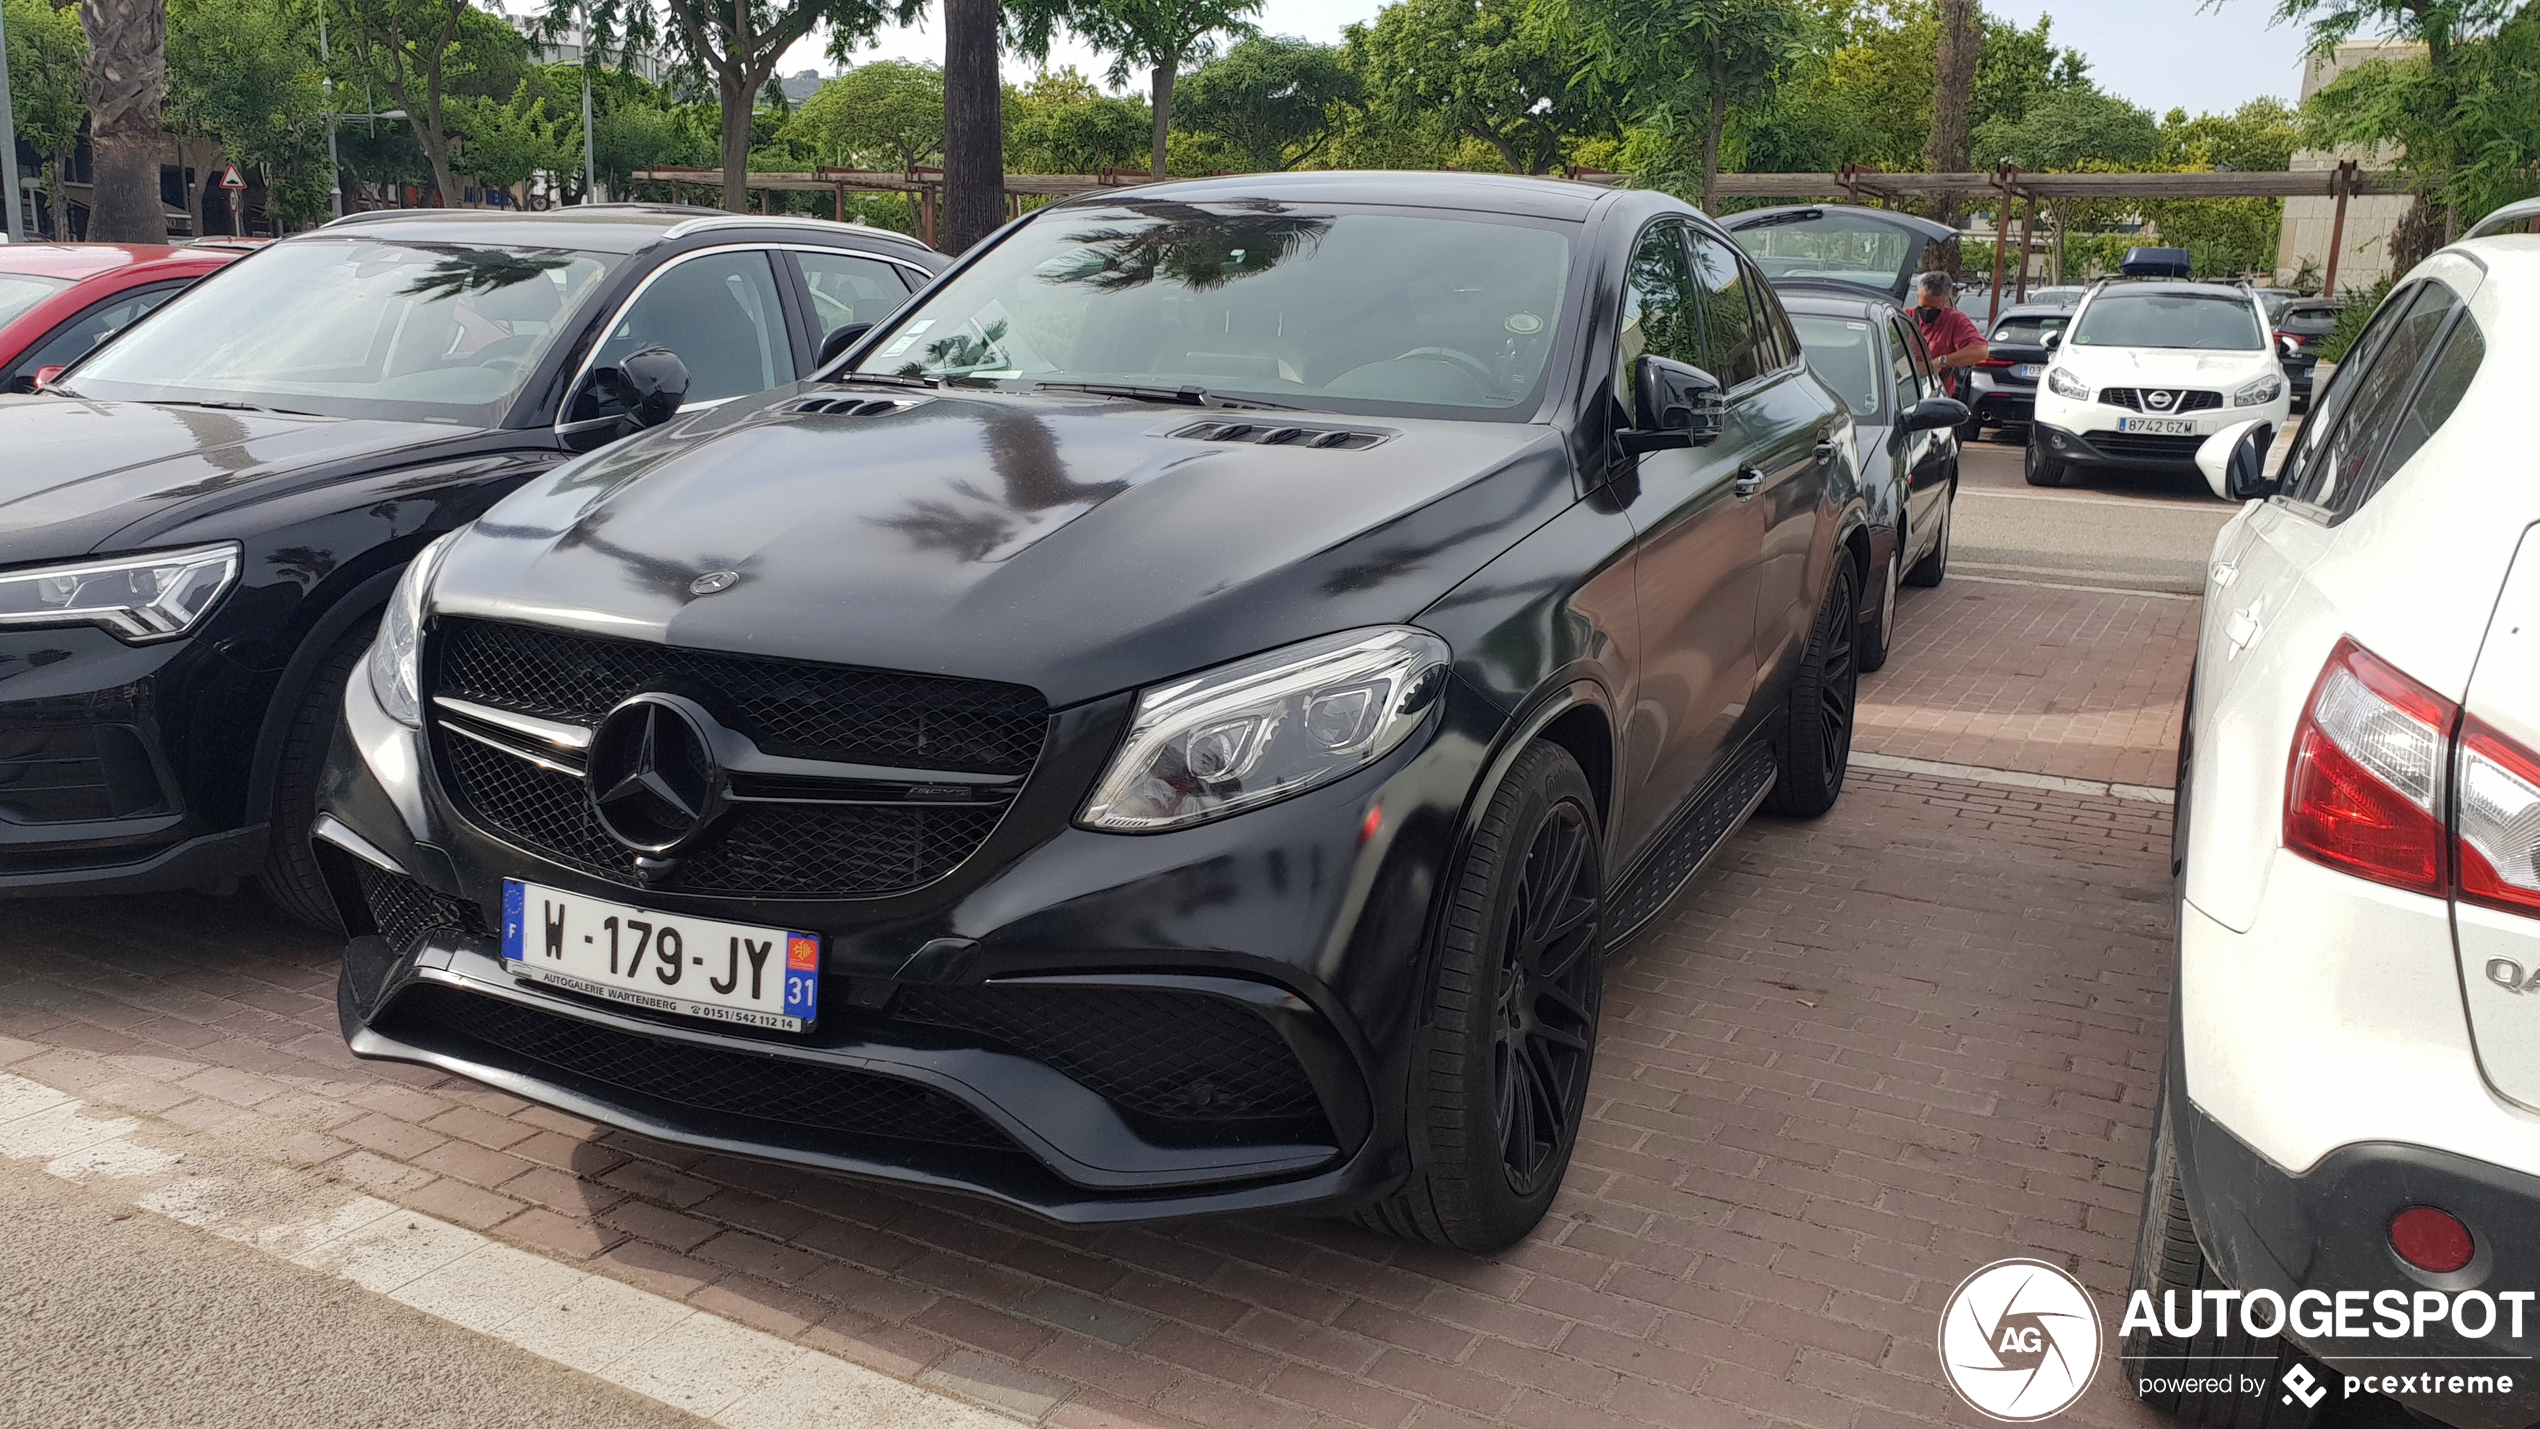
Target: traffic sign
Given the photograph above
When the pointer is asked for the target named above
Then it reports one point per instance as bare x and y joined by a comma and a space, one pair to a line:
230, 179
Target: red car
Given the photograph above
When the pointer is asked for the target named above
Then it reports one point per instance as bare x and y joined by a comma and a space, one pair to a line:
58, 300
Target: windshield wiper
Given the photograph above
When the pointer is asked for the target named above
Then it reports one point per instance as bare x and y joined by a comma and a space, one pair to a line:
893, 379
222, 406
1185, 396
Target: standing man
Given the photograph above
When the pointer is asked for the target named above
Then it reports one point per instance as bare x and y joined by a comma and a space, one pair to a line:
1949, 339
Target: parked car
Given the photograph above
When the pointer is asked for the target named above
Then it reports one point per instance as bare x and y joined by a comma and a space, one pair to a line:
1192, 699
1907, 446
200, 522
2002, 389
2146, 371
2350, 1107
1837, 248
59, 300
2300, 330
2063, 296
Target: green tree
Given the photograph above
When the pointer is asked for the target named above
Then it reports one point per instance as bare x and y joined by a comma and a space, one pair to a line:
1063, 124
1158, 36
1678, 67
887, 114
1274, 99
422, 54
2258, 137
48, 59
511, 141
243, 79
127, 81
2068, 126
1495, 71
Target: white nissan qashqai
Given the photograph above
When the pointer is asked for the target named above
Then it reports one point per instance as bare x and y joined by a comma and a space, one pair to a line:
2343, 1192
2146, 371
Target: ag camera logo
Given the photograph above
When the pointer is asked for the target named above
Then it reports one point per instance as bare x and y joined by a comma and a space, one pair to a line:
2020, 1340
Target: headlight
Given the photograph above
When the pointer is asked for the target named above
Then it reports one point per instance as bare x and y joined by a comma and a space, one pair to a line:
393, 677
1261, 729
2067, 385
2265, 389
137, 598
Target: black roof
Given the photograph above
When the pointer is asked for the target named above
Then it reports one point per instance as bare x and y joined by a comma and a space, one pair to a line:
1823, 303
2035, 310
596, 227
1793, 212
2170, 285
1415, 188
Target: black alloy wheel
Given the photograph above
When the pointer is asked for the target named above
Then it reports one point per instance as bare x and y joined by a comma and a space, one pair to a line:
1934, 565
291, 877
1813, 748
1878, 633
1499, 1084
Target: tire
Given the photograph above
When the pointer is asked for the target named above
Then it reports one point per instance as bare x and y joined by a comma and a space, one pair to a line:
1813, 746
1934, 565
1500, 1086
2039, 468
1878, 633
2168, 1259
1970, 432
290, 876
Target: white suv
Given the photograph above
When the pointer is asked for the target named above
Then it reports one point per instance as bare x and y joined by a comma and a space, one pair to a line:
2349, 1117
2146, 371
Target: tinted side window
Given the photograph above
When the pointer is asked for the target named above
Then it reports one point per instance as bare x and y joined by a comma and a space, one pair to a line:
2455, 366
721, 314
1730, 343
1658, 308
1905, 357
848, 289
1773, 321
76, 338
2333, 477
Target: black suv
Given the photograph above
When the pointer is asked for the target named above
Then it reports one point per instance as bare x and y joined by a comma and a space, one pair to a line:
1170, 724
200, 522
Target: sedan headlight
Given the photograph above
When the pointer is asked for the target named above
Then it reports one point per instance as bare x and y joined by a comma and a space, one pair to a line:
138, 599
393, 655
2067, 385
2258, 393
1260, 729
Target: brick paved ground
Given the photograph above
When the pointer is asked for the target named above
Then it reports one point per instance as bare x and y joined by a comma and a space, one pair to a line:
2003, 675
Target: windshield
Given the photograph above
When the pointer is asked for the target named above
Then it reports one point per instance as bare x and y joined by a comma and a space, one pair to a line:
21, 291
2061, 297
1842, 353
2206, 321
1354, 308
2030, 328
1833, 248
354, 327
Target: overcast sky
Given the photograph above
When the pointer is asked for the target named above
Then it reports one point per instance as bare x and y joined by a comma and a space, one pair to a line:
2158, 53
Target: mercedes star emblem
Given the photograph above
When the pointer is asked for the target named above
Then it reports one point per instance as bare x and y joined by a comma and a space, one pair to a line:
713, 581
655, 783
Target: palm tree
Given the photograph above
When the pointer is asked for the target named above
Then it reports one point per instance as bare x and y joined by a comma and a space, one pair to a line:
127, 78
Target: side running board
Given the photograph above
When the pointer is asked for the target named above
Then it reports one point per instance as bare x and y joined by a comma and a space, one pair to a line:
1688, 845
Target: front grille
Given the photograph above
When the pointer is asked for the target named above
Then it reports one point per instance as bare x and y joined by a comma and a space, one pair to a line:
1168, 1055
2143, 446
757, 850
791, 708
605, 1060
74, 773
2183, 402
402, 910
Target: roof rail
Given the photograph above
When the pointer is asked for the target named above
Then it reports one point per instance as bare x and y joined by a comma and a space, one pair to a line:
784, 220
2520, 211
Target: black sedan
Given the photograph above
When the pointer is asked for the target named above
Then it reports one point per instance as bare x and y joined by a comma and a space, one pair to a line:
1173, 725
2002, 389
1868, 353
200, 523
2301, 328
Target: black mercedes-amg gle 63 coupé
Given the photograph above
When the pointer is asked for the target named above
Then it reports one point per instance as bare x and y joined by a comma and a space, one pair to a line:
1168, 722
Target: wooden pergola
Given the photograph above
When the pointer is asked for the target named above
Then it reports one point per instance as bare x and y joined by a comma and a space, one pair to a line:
2012, 186
926, 186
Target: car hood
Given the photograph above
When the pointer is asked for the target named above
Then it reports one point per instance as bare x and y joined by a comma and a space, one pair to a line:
1075, 546
82, 475
2164, 366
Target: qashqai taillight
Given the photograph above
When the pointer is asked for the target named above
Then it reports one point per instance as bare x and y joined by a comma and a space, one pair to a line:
2497, 818
2365, 791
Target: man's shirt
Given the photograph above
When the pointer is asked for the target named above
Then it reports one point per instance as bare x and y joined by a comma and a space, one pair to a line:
1944, 331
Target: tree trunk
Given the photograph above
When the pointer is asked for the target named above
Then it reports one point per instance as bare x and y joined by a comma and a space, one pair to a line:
1953, 87
127, 78
199, 158
974, 127
1160, 93
436, 148
736, 138
1711, 132
57, 201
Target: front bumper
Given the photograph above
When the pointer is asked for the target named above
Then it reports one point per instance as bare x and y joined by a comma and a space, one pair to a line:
1291, 935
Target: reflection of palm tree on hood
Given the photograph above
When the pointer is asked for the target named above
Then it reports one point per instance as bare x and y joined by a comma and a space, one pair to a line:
1199, 248
1024, 454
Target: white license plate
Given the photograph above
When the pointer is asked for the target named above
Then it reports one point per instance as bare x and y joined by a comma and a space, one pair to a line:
696, 967
2027, 371
2161, 426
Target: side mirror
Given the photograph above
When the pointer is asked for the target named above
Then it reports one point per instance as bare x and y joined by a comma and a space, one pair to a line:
836, 344
44, 376
2051, 341
2234, 461
1679, 406
1932, 413
646, 386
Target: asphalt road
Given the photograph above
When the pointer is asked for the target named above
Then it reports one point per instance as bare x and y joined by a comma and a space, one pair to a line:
120, 1319
2130, 530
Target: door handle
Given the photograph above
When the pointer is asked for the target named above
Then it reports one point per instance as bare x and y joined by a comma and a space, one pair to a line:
1749, 481
2224, 573
2241, 627
1825, 450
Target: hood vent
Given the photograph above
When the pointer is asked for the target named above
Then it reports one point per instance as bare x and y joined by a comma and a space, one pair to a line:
857, 406
1283, 434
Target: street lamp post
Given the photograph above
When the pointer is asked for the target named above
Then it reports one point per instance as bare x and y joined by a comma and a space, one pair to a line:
9, 147
334, 168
